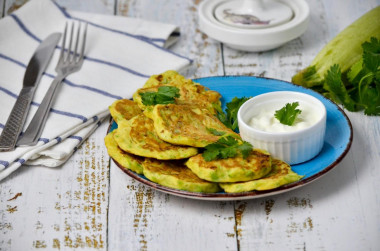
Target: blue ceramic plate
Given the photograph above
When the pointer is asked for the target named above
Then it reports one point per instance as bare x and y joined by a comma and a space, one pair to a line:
337, 141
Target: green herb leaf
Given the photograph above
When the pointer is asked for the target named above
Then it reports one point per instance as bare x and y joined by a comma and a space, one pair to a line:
164, 95
215, 132
336, 88
372, 100
229, 118
355, 73
288, 114
371, 54
226, 147
245, 149
369, 84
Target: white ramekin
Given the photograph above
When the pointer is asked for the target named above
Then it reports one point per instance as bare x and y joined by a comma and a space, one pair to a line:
291, 147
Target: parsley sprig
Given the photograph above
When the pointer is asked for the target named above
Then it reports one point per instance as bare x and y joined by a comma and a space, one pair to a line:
359, 89
287, 115
164, 95
226, 147
229, 118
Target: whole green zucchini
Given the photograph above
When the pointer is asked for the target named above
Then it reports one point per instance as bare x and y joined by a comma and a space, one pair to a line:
345, 50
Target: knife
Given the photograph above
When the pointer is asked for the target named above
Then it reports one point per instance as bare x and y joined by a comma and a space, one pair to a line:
33, 74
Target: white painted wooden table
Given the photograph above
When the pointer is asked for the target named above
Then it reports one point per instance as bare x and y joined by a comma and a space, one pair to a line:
88, 203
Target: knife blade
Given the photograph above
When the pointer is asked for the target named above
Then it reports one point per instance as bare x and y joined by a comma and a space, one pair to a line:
34, 70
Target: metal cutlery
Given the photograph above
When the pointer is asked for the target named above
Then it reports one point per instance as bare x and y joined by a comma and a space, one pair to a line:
70, 61
33, 73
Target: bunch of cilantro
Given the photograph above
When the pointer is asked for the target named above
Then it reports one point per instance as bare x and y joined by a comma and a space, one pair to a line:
359, 89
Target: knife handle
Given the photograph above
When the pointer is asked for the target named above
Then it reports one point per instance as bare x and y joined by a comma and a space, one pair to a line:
16, 120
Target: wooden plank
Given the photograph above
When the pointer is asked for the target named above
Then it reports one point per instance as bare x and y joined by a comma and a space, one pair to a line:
205, 52
58, 208
12, 5
365, 159
2, 6
141, 218
62, 208
98, 6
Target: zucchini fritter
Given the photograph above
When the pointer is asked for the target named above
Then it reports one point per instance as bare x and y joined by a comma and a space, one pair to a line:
137, 136
124, 109
190, 92
166, 78
256, 165
126, 160
187, 125
176, 175
280, 175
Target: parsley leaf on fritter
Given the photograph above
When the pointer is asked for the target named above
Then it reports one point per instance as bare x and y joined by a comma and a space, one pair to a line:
226, 147
164, 95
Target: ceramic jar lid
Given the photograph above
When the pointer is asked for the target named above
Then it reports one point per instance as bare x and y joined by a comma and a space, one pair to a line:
254, 25
253, 14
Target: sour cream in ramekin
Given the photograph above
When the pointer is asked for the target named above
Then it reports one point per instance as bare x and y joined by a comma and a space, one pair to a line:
292, 144
265, 119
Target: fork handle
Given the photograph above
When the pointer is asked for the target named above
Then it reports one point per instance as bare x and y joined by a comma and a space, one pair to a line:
36, 126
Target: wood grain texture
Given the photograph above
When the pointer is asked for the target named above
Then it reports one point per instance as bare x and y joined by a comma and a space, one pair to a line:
64, 208
143, 219
193, 44
58, 208
90, 204
2, 6
98, 6
12, 5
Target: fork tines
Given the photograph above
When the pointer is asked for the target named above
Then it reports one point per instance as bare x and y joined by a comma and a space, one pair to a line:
68, 54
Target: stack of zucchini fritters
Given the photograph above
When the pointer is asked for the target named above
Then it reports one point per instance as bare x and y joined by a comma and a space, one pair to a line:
165, 142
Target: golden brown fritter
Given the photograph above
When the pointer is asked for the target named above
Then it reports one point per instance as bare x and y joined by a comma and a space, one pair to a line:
281, 174
190, 93
126, 160
176, 175
187, 125
165, 78
124, 109
137, 136
256, 165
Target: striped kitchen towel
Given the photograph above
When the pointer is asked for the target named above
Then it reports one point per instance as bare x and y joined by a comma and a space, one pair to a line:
121, 54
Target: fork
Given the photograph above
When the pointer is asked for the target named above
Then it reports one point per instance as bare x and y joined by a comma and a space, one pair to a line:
70, 61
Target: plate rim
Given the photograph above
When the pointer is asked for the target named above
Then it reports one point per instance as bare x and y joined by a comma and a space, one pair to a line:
250, 194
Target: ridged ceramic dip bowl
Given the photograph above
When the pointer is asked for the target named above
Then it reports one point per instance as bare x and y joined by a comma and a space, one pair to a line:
293, 144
